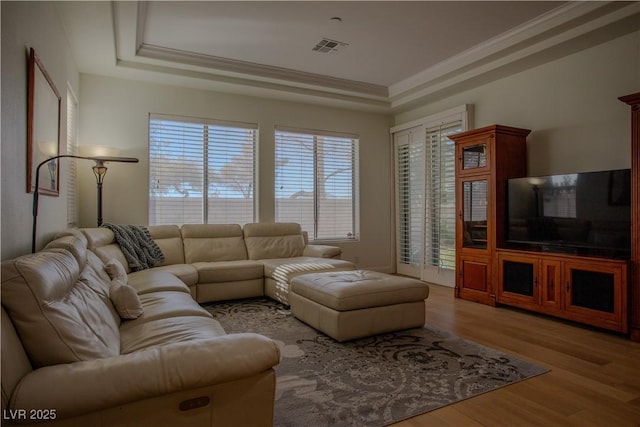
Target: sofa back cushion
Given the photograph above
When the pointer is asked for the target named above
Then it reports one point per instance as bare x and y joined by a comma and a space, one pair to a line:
61, 313
169, 239
74, 241
273, 240
103, 243
213, 242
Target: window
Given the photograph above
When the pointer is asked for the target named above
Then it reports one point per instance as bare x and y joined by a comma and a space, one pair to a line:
201, 171
72, 148
316, 182
440, 207
425, 195
410, 167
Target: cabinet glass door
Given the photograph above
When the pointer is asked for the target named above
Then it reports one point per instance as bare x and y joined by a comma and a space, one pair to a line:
518, 278
593, 290
474, 157
474, 214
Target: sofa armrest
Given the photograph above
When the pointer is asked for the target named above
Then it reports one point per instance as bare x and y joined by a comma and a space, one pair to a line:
77, 388
322, 251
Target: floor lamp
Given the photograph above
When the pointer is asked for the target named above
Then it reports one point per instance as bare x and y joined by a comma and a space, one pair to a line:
99, 170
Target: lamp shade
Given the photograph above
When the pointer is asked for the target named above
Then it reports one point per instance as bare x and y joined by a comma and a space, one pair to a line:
48, 148
98, 151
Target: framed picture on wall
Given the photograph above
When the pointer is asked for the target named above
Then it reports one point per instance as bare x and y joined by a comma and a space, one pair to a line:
43, 129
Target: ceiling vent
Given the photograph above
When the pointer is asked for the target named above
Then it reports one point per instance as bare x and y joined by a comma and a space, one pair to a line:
329, 46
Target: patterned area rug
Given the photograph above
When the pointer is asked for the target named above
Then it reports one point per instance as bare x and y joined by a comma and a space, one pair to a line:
372, 381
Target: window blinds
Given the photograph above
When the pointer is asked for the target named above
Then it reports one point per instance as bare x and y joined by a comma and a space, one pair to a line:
440, 209
425, 164
72, 148
316, 183
410, 163
201, 171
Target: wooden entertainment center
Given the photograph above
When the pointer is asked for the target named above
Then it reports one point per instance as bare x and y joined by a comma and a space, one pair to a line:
634, 101
594, 290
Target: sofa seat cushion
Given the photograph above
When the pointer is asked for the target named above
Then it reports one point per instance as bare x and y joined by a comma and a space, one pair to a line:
170, 330
156, 280
284, 269
228, 271
187, 273
164, 305
322, 251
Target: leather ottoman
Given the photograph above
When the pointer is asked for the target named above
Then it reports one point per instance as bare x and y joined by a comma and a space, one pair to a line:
353, 304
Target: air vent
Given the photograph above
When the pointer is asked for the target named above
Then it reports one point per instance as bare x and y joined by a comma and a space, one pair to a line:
329, 46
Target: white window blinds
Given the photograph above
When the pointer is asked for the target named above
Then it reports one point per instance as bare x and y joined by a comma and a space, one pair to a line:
425, 195
201, 171
410, 166
72, 148
440, 208
316, 183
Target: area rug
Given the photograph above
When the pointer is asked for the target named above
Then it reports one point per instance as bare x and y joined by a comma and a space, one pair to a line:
372, 381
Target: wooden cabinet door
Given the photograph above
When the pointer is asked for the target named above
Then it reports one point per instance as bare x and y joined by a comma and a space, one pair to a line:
518, 281
474, 226
594, 294
474, 156
474, 279
551, 285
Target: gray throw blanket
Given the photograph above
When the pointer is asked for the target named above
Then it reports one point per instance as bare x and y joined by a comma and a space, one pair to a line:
137, 246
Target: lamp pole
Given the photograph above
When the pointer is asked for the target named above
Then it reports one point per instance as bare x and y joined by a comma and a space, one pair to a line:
101, 171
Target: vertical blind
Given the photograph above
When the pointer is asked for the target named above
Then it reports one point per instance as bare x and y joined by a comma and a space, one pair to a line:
201, 171
72, 148
316, 183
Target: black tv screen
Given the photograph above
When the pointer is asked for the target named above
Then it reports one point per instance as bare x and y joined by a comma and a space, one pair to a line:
587, 213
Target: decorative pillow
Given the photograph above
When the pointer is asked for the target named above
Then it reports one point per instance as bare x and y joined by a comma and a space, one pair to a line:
116, 270
125, 299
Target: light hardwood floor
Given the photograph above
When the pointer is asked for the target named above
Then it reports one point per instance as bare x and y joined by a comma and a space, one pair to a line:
594, 378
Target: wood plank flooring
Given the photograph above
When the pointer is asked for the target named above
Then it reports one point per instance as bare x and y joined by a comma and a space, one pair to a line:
594, 378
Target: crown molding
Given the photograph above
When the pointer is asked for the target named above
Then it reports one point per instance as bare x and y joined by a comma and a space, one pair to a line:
557, 27
248, 86
133, 53
557, 33
251, 71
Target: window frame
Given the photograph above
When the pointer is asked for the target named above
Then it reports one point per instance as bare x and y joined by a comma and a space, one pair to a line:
421, 127
205, 162
73, 109
314, 232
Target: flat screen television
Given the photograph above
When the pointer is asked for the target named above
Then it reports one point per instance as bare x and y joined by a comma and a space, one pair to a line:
587, 213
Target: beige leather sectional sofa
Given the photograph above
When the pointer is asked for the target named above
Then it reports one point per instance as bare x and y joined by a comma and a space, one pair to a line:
69, 356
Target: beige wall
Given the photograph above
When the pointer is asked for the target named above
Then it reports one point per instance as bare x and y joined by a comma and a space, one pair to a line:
115, 112
570, 104
26, 25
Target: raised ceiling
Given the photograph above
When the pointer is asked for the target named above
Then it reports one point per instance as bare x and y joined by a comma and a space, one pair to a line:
381, 55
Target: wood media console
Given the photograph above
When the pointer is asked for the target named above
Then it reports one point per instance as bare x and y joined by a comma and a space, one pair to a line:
594, 290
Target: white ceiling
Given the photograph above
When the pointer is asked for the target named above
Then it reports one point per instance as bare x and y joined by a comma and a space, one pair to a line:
395, 53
